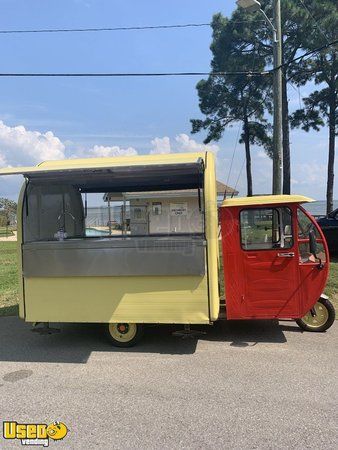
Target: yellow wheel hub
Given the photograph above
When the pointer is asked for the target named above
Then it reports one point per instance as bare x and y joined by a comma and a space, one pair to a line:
123, 332
320, 318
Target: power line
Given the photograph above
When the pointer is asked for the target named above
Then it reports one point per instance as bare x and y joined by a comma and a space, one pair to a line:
86, 30
310, 52
232, 158
132, 28
165, 74
297, 90
239, 127
316, 50
314, 19
144, 74
299, 98
239, 176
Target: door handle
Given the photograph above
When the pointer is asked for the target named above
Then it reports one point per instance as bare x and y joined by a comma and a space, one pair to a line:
286, 255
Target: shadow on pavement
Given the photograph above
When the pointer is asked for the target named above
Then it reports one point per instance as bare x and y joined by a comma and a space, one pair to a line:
12, 310
76, 342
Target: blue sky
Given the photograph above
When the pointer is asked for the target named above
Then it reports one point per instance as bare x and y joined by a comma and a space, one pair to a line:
85, 117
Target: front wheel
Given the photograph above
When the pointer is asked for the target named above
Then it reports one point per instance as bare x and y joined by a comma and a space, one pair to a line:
124, 334
319, 318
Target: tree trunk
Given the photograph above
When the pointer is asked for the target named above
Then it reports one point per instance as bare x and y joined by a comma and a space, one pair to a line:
247, 156
330, 166
286, 138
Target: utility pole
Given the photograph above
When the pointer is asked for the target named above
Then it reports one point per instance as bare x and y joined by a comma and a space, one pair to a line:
277, 100
276, 27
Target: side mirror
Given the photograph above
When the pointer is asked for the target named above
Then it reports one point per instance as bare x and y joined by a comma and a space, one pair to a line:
313, 242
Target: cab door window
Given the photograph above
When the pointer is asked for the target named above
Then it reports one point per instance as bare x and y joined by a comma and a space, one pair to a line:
305, 225
266, 228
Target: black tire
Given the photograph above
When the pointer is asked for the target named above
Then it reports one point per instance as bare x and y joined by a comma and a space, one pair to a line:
120, 338
328, 314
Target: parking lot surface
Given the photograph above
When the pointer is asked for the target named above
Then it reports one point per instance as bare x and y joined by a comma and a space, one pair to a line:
243, 385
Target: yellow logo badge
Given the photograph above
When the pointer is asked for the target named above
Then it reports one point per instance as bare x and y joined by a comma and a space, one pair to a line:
35, 434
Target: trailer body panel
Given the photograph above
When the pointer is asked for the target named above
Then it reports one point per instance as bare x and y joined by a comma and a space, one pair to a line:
175, 299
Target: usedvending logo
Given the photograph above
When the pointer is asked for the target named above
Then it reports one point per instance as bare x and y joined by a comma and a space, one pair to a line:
35, 433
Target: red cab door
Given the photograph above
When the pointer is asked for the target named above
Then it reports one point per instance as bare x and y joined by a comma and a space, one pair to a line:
261, 262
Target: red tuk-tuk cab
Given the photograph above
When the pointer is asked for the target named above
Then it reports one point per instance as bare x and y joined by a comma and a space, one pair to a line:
276, 261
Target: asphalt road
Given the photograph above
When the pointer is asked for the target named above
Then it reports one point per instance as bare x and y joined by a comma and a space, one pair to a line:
245, 385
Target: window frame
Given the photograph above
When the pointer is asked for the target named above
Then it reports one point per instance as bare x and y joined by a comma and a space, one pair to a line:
305, 240
272, 208
148, 205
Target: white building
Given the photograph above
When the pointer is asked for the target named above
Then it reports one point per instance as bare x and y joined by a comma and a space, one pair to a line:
144, 213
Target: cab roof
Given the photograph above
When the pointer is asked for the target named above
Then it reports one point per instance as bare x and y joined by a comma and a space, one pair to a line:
260, 200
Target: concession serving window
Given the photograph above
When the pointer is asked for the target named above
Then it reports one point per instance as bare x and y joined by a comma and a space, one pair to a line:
153, 221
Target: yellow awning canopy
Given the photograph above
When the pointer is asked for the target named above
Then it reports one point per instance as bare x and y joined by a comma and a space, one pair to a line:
93, 164
260, 200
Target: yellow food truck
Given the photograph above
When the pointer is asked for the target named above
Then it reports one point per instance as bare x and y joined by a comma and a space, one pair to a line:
160, 263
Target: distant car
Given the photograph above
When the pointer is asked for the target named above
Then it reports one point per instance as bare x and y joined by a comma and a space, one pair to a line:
329, 225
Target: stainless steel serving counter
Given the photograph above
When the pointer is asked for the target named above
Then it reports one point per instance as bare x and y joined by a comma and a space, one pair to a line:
122, 256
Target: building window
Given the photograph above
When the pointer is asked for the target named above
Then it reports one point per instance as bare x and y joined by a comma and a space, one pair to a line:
157, 208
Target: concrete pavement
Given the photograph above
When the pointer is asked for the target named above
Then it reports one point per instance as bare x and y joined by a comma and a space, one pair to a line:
245, 385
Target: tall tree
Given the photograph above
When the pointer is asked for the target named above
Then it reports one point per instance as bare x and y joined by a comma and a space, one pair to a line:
229, 99
320, 107
8, 205
7, 209
253, 37
293, 19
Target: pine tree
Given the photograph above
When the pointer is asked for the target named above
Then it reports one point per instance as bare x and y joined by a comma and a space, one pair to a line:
226, 100
293, 18
320, 107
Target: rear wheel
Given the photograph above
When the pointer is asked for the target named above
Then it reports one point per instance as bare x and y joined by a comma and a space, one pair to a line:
319, 318
124, 334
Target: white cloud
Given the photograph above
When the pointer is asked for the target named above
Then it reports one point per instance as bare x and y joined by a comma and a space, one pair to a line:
19, 146
161, 146
22, 147
2, 160
186, 144
310, 174
183, 143
262, 154
102, 151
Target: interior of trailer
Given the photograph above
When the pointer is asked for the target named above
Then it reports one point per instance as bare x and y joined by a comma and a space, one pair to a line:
149, 231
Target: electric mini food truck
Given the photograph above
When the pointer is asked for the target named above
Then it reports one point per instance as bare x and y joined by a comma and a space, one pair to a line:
159, 263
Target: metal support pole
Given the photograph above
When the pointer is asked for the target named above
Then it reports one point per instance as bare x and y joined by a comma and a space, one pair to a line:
277, 96
109, 216
124, 215
275, 25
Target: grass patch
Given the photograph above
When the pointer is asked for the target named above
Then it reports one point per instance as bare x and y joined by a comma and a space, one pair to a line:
6, 232
9, 286
331, 289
